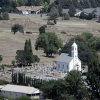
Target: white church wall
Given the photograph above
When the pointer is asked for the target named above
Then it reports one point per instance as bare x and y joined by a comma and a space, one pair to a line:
79, 63
71, 65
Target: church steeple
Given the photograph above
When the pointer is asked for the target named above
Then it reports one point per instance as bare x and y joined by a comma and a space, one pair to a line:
74, 50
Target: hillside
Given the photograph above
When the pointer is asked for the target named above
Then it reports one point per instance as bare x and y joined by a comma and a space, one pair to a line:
10, 43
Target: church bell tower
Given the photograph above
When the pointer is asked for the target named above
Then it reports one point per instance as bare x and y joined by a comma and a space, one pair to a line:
74, 50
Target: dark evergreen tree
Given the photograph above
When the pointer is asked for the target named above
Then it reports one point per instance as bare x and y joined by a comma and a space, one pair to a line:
72, 11
42, 29
28, 53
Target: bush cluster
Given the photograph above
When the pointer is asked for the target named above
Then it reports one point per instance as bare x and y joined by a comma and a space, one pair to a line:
4, 16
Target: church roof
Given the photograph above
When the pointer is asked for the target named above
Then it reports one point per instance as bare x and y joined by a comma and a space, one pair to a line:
64, 57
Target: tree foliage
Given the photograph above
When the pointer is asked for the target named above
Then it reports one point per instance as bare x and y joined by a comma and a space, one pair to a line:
79, 3
54, 13
72, 11
42, 29
49, 42
16, 27
1, 98
71, 88
26, 57
2, 82
4, 16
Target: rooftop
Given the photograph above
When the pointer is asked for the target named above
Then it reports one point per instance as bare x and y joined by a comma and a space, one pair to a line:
20, 89
64, 57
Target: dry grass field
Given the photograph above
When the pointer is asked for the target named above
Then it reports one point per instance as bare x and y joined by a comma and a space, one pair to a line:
10, 43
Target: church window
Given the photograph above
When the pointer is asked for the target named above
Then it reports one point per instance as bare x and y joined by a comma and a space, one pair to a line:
63, 66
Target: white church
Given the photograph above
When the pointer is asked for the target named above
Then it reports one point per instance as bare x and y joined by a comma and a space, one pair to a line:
66, 63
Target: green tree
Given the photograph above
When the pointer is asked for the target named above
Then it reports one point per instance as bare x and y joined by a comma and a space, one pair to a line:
72, 11
5, 16
16, 27
42, 29
1, 98
49, 42
13, 62
48, 1
28, 52
54, 13
4, 3
67, 97
38, 2
70, 88
24, 98
83, 16
53, 89
21, 2
46, 6
26, 57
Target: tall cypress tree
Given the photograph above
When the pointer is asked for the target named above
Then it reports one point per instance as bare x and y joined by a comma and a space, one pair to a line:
28, 53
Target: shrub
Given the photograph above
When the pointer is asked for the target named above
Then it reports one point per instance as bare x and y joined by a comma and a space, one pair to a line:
72, 11
83, 15
42, 29
4, 16
28, 32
